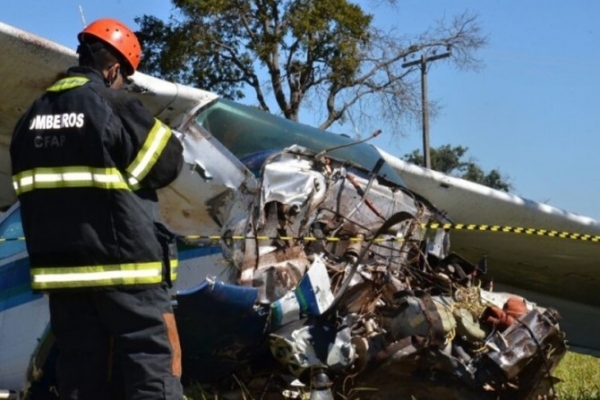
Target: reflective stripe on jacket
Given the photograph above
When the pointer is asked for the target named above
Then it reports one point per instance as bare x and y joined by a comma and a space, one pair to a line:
86, 164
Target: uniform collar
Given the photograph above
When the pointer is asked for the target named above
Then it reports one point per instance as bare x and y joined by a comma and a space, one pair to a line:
90, 73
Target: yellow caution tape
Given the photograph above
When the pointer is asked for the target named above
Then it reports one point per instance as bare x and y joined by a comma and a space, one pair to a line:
511, 229
433, 225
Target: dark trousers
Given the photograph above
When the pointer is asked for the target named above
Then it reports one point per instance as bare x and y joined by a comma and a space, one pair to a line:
115, 344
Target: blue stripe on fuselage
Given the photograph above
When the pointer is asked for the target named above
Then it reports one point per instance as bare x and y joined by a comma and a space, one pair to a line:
15, 284
19, 299
195, 252
14, 273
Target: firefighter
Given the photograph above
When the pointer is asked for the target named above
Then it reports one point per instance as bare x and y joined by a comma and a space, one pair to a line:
87, 160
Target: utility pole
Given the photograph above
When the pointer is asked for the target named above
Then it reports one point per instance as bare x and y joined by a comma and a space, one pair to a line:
424, 101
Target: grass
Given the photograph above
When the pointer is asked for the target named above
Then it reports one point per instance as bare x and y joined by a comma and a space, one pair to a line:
580, 377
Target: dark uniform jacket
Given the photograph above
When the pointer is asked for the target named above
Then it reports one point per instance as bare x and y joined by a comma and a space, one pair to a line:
86, 161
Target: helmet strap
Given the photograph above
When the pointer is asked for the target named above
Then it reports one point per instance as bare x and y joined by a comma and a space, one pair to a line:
92, 51
108, 81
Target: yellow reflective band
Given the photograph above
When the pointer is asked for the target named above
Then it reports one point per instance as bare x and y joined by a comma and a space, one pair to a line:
96, 275
174, 268
148, 155
68, 177
68, 83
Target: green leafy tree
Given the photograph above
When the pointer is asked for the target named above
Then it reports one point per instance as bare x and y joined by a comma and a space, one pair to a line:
316, 54
449, 160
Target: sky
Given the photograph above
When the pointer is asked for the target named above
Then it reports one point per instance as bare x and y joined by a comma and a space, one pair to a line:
531, 112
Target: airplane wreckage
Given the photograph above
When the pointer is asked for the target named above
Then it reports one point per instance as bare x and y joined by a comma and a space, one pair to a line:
309, 268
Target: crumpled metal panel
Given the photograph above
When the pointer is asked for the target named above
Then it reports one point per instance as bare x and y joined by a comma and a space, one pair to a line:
212, 180
392, 295
524, 340
429, 317
292, 182
312, 296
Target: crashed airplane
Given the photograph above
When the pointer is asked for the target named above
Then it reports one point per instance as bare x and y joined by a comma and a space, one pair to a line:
310, 263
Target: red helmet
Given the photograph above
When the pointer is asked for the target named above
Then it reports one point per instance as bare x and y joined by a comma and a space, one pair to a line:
119, 36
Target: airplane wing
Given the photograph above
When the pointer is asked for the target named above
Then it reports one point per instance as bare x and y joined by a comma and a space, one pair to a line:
554, 262
27, 69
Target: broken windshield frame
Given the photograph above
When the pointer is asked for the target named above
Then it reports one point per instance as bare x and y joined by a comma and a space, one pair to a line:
246, 131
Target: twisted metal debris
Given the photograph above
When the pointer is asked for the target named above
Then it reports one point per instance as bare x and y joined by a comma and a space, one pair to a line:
369, 313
